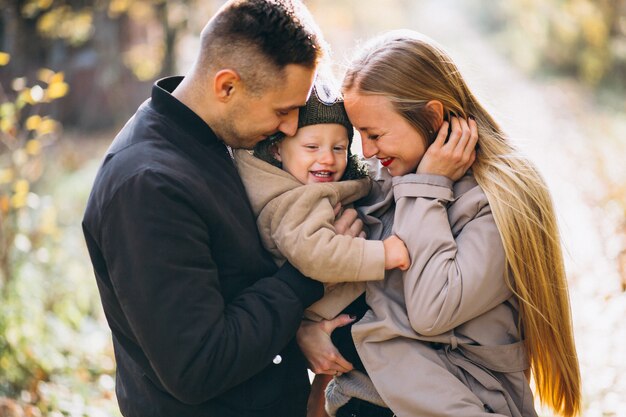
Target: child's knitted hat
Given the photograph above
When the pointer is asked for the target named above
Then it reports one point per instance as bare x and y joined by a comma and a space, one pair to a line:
316, 112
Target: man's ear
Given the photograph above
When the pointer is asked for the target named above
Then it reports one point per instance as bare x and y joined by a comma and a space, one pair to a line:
225, 83
436, 107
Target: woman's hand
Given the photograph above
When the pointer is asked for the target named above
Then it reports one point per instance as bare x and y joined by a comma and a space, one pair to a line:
451, 158
314, 341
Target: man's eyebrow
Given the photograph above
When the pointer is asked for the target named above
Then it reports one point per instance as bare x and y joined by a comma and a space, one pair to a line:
292, 107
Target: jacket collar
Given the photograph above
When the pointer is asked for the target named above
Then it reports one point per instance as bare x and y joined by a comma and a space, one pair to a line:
163, 102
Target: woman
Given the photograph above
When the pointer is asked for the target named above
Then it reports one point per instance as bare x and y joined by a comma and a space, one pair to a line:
484, 303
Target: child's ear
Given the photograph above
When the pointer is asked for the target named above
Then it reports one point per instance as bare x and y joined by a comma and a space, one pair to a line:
275, 150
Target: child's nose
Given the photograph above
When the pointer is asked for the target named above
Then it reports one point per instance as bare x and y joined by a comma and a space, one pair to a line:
327, 157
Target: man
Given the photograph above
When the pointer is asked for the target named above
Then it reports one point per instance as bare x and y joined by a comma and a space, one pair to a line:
202, 322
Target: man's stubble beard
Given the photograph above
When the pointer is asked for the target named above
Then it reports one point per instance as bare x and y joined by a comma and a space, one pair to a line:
228, 132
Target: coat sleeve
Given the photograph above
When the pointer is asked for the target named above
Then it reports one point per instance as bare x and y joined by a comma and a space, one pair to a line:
168, 286
336, 298
453, 277
301, 227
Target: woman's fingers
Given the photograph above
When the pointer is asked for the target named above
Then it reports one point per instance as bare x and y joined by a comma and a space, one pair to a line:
463, 140
455, 133
470, 148
442, 135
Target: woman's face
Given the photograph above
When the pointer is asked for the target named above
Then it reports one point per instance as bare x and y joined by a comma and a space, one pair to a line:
385, 134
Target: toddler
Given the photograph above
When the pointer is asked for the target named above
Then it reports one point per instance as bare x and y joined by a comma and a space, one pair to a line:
294, 184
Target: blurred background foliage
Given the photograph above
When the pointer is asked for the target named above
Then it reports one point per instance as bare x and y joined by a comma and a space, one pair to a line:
72, 71
585, 39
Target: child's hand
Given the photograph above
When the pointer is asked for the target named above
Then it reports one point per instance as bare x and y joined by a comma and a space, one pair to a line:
396, 254
451, 158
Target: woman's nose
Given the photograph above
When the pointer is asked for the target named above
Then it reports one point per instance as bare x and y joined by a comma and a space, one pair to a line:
369, 147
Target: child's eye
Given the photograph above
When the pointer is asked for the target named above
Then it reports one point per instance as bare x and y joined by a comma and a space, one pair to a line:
282, 112
311, 146
339, 148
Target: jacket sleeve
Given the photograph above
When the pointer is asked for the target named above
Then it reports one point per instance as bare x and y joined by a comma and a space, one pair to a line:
301, 227
168, 285
336, 298
453, 277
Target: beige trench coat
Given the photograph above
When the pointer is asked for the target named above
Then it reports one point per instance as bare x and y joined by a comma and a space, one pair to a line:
295, 222
441, 339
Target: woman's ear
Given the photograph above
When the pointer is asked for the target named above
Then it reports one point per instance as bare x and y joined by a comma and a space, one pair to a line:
225, 83
436, 107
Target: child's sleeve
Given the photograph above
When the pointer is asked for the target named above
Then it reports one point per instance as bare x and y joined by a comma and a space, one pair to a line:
336, 298
301, 228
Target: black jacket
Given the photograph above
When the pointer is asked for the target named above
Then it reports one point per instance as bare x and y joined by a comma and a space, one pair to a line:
197, 309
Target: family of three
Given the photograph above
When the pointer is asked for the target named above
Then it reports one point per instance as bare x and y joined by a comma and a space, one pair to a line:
237, 240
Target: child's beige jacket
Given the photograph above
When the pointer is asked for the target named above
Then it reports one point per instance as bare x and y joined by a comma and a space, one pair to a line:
295, 222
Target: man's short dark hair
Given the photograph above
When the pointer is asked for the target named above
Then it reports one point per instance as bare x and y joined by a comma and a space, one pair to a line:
260, 36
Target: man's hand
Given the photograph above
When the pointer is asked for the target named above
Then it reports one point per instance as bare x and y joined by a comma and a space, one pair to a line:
314, 341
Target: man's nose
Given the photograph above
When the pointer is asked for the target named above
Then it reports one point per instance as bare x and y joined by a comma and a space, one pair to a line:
289, 125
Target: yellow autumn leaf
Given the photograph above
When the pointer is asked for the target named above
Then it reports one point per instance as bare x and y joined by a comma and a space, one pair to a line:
118, 7
48, 224
7, 110
18, 201
45, 74
33, 122
4, 58
24, 98
57, 90
33, 147
6, 175
44, 4
46, 126
5, 204
21, 187
58, 77
6, 125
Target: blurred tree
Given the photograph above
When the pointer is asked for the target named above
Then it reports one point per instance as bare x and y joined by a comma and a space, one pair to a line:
54, 356
109, 50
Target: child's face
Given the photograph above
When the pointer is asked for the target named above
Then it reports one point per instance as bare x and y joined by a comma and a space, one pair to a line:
317, 153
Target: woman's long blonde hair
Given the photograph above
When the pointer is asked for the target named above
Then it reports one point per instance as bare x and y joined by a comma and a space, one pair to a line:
411, 70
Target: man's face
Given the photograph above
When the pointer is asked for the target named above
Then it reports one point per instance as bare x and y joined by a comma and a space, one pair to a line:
251, 119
